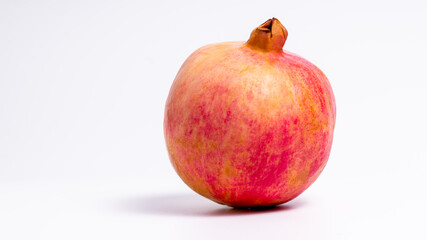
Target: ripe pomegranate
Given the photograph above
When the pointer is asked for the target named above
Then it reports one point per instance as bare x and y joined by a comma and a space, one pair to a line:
248, 124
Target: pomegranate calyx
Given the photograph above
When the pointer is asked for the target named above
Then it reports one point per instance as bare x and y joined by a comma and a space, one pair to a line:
269, 36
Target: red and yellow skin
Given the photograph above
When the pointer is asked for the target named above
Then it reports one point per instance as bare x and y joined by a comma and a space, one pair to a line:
248, 124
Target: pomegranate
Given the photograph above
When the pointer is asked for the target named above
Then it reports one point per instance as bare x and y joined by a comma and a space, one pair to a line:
248, 124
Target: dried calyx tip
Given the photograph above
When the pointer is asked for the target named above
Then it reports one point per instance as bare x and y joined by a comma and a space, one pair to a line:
269, 36
266, 26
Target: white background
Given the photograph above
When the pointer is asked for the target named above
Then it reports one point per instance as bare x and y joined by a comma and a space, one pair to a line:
82, 92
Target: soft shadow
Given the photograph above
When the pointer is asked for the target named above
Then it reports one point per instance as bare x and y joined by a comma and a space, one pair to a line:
192, 205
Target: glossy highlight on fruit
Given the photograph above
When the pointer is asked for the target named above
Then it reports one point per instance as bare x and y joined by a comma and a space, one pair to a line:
248, 124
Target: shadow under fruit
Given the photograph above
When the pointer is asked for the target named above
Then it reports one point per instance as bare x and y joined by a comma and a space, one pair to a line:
248, 124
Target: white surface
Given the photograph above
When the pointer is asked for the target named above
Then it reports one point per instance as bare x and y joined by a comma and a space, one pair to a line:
82, 92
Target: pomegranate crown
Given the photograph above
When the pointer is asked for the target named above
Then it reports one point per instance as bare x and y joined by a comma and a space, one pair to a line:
269, 36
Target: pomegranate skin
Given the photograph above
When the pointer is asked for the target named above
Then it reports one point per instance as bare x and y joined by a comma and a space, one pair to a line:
248, 124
